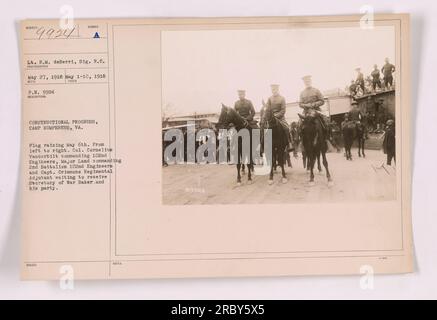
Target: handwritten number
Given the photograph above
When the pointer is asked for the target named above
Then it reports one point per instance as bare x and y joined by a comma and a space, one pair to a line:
50, 33
40, 32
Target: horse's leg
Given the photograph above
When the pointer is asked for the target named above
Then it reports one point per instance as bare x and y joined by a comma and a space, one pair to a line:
319, 167
239, 160
243, 169
273, 164
325, 164
287, 158
250, 163
312, 161
304, 160
249, 173
359, 147
362, 145
282, 164
238, 174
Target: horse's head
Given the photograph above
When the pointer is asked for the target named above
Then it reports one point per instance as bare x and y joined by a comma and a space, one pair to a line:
228, 115
268, 116
223, 121
308, 120
311, 131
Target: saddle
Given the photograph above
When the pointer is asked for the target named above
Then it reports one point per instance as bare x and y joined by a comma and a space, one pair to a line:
253, 124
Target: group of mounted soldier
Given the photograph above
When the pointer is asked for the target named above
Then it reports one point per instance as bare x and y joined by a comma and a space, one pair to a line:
311, 100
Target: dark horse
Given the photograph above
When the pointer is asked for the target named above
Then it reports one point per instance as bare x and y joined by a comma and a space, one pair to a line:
349, 130
279, 142
306, 161
227, 117
314, 143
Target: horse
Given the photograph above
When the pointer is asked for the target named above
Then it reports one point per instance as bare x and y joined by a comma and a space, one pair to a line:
229, 116
314, 143
279, 143
349, 133
306, 161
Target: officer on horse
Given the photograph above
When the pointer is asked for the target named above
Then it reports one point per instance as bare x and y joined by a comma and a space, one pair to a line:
244, 107
278, 106
311, 99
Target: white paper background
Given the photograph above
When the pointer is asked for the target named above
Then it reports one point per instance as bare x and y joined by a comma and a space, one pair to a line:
421, 284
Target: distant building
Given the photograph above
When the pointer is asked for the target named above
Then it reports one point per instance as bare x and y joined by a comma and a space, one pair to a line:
337, 104
367, 102
201, 120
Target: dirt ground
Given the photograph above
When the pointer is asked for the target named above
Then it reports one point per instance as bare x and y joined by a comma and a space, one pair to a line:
361, 179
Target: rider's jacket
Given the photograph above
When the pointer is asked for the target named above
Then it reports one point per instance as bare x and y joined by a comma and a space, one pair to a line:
311, 98
277, 105
245, 109
376, 75
387, 70
355, 114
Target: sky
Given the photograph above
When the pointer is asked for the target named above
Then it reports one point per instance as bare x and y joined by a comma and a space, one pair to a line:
204, 68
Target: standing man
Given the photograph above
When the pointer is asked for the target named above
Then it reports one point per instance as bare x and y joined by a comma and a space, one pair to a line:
294, 132
376, 78
336, 135
277, 104
353, 88
244, 107
380, 115
360, 79
387, 71
389, 143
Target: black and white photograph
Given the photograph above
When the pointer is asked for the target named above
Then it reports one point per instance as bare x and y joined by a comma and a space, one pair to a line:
317, 107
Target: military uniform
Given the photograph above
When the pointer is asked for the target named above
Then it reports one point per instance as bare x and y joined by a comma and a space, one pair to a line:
355, 114
244, 108
277, 104
376, 79
389, 143
311, 98
360, 81
388, 70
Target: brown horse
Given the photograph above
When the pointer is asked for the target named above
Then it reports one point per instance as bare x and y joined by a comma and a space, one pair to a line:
349, 130
229, 116
314, 143
279, 143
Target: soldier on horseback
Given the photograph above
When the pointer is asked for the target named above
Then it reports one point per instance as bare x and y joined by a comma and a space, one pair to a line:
357, 117
311, 99
277, 105
244, 107
355, 113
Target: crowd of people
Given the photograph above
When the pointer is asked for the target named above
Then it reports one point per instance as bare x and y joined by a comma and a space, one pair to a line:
374, 82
